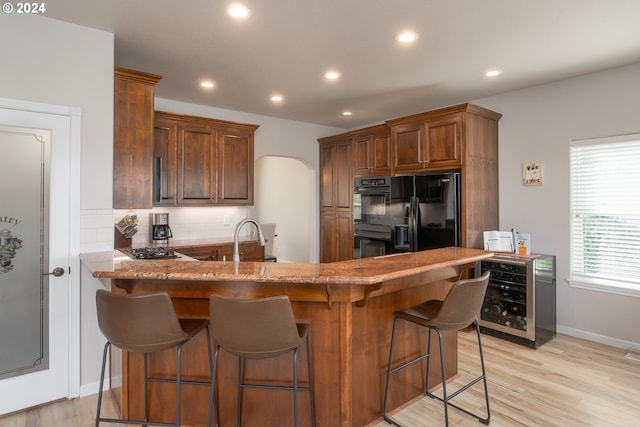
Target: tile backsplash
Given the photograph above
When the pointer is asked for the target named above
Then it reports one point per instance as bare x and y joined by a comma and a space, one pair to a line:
186, 223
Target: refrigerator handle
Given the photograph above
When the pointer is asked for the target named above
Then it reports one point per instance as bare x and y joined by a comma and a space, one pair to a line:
413, 224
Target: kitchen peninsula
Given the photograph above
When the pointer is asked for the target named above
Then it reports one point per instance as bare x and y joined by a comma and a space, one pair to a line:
349, 305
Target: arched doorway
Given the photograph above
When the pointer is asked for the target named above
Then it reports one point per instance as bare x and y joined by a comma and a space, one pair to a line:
285, 194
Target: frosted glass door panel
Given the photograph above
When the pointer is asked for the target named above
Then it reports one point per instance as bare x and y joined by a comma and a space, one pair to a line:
24, 290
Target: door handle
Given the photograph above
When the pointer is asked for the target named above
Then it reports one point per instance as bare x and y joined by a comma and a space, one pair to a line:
57, 272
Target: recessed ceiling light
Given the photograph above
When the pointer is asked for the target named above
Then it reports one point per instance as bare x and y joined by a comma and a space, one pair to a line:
346, 113
331, 75
277, 98
407, 37
493, 73
206, 84
238, 10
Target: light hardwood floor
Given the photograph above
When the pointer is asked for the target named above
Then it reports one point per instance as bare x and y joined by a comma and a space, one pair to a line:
566, 382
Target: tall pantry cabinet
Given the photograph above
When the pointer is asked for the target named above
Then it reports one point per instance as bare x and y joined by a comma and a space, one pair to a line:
133, 138
336, 198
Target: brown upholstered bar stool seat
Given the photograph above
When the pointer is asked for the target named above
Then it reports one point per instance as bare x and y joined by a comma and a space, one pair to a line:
460, 308
259, 329
145, 324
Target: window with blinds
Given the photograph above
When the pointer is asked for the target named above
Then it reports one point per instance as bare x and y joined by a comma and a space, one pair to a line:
605, 214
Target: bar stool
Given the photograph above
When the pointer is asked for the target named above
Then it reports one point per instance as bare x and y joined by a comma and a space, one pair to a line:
146, 324
460, 308
259, 329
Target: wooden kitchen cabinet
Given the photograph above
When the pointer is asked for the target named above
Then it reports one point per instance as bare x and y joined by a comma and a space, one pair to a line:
426, 142
165, 135
249, 251
208, 161
133, 138
461, 138
336, 236
336, 173
197, 164
336, 198
371, 151
235, 166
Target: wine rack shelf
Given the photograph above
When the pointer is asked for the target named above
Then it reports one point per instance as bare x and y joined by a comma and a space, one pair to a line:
520, 303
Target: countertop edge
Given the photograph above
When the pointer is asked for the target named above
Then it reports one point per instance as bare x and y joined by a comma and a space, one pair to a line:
363, 272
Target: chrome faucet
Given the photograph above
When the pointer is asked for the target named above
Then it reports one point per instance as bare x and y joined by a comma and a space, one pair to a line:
261, 241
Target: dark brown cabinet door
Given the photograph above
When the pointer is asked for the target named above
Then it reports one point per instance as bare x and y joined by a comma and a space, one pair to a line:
408, 147
336, 178
371, 152
133, 139
343, 177
235, 167
326, 175
443, 142
165, 142
336, 236
197, 165
361, 155
343, 236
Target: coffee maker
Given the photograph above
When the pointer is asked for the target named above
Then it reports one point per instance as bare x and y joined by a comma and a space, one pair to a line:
159, 230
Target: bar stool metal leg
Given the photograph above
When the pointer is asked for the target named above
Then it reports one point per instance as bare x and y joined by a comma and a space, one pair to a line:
313, 416
104, 363
213, 402
212, 394
446, 399
240, 377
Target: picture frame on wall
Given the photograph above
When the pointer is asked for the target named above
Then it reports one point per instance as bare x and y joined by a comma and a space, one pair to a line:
532, 173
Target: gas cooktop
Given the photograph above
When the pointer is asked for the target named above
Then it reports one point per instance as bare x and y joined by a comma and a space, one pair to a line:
149, 253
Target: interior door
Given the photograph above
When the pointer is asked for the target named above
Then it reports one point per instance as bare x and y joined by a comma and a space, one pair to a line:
34, 242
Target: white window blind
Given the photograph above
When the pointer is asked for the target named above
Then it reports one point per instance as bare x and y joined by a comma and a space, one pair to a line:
605, 213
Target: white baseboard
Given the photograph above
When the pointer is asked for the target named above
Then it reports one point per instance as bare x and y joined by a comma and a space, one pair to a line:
92, 388
601, 339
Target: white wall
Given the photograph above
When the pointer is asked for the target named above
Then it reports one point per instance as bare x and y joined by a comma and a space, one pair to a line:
48, 61
285, 195
538, 124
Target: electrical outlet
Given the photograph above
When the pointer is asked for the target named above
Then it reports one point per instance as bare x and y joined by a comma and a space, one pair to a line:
227, 220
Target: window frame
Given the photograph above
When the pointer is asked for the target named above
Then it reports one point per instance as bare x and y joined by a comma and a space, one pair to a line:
578, 278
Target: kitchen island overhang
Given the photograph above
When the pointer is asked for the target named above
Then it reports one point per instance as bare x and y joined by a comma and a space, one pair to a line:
349, 305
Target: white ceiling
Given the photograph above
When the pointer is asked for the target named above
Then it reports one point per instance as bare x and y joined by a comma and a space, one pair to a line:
286, 45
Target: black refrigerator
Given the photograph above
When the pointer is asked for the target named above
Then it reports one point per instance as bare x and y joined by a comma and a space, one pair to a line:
425, 211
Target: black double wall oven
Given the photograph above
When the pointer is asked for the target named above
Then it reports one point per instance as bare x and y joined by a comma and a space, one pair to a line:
406, 213
372, 229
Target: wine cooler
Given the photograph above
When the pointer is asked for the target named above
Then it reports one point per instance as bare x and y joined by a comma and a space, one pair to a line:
520, 303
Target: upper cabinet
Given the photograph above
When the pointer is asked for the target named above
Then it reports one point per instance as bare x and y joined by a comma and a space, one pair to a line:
133, 138
371, 151
202, 161
431, 140
235, 164
336, 176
